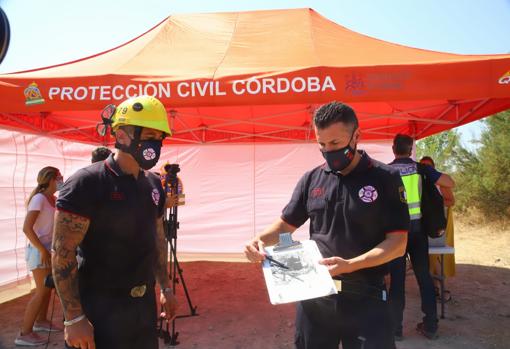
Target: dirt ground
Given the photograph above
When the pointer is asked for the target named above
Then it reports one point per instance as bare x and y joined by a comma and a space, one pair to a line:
234, 309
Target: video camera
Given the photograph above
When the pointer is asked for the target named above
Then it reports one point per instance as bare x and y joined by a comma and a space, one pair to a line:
172, 184
172, 169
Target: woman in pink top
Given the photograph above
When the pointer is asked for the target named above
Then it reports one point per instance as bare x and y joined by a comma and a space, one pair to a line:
38, 227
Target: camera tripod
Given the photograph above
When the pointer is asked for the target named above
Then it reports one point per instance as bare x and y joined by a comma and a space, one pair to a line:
171, 225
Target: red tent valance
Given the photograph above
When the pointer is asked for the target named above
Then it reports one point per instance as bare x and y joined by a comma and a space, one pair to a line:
258, 76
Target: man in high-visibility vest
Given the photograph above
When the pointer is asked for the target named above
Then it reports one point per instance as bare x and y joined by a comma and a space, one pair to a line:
417, 244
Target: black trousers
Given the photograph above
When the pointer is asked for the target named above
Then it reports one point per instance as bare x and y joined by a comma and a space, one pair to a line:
355, 321
418, 249
121, 321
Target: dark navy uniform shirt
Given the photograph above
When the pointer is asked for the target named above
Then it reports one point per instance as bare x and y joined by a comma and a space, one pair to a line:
119, 247
349, 215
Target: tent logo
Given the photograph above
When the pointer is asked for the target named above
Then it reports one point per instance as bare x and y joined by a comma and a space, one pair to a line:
355, 85
505, 79
33, 95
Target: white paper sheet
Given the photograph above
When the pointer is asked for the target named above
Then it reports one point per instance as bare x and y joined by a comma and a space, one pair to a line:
305, 278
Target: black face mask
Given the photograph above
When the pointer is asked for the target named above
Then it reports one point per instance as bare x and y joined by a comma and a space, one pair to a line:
339, 159
146, 153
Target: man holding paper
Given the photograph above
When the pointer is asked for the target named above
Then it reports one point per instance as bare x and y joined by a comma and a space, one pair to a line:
359, 220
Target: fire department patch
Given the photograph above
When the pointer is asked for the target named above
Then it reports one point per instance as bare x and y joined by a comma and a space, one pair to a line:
368, 194
155, 196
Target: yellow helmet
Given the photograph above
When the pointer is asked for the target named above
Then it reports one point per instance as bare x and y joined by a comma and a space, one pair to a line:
143, 111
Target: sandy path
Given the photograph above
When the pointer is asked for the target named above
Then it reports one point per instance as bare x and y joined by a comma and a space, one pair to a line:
234, 310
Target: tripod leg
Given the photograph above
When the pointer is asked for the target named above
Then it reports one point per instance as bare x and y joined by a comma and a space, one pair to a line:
192, 309
173, 276
175, 272
164, 325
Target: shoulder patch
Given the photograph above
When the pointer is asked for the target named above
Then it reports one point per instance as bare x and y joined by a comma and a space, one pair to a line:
155, 196
402, 194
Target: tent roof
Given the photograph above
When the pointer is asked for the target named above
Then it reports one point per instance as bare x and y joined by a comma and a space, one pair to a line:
258, 76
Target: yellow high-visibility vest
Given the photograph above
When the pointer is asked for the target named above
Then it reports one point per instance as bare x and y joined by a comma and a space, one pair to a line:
412, 183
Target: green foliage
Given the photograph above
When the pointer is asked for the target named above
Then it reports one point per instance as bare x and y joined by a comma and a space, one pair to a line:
482, 177
493, 184
466, 176
443, 148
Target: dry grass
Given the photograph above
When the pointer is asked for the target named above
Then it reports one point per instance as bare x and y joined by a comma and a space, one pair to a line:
473, 218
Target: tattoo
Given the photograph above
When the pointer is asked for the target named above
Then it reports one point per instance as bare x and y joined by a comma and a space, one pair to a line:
69, 231
161, 270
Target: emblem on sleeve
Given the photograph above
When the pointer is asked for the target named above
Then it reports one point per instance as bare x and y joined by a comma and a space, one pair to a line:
368, 194
155, 196
402, 194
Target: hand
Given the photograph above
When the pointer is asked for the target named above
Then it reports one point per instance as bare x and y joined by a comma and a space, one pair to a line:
254, 250
337, 265
448, 202
173, 200
170, 305
46, 258
80, 335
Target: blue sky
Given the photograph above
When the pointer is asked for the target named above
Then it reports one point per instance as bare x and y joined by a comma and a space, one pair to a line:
56, 31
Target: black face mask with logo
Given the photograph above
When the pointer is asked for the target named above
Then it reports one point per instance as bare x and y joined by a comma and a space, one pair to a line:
146, 153
339, 159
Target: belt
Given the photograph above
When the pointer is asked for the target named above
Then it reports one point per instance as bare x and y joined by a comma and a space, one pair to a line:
362, 289
137, 291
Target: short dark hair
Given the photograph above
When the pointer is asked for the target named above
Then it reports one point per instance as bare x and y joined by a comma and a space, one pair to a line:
334, 112
429, 159
402, 144
100, 154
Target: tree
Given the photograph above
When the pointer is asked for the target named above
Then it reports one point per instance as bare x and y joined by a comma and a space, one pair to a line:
482, 176
466, 176
492, 186
443, 148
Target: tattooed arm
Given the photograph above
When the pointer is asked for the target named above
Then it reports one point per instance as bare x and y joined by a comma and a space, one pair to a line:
68, 232
167, 297
161, 270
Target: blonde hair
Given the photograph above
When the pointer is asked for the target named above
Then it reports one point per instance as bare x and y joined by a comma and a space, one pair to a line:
44, 177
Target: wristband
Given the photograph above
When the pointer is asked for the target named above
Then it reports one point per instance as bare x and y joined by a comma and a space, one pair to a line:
75, 320
166, 289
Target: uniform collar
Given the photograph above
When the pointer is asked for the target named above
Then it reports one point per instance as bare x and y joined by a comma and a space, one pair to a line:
364, 163
114, 167
403, 161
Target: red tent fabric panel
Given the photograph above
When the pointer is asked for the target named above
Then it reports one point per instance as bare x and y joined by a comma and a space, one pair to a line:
257, 77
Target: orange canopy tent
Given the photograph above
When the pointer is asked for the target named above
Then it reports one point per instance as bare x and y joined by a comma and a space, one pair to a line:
258, 76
